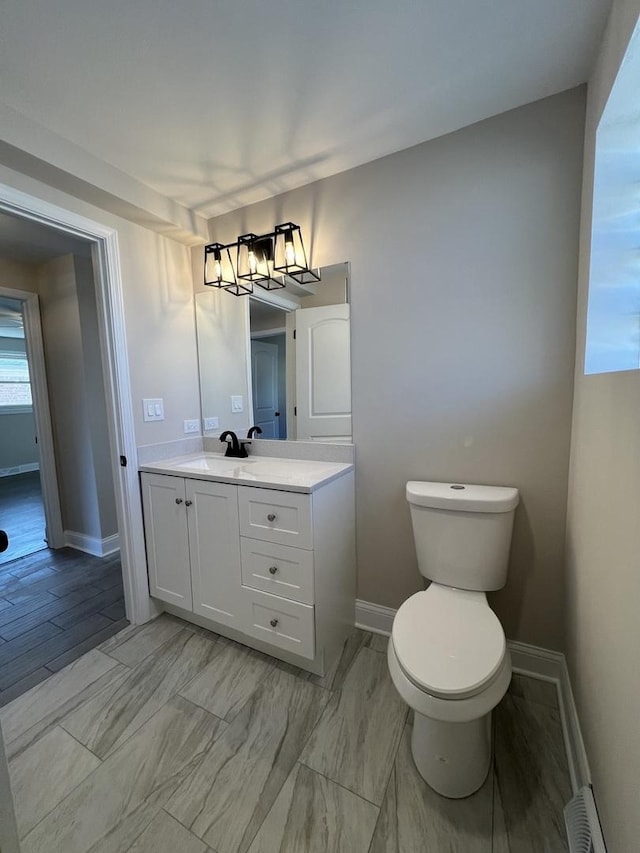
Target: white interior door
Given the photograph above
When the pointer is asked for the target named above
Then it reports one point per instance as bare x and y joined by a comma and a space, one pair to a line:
323, 373
264, 371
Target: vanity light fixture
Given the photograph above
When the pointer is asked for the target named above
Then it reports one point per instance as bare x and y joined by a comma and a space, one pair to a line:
262, 259
290, 256
255, 261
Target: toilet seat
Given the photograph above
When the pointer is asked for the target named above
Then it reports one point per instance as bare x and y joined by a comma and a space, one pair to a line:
448, 642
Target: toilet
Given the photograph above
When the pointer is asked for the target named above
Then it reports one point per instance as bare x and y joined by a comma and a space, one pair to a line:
447, 653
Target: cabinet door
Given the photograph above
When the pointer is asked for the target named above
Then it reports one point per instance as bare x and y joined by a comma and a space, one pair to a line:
214, 540
165, 520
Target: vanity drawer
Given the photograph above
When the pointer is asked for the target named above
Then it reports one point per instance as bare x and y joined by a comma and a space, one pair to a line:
286, 624
273, 516
278, 569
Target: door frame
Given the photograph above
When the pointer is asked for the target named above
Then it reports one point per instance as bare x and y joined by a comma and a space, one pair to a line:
105, 255
41, 412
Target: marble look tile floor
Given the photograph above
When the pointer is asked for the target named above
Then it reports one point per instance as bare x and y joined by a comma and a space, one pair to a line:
170, 738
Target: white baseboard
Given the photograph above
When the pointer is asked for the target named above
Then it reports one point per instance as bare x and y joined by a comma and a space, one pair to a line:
374, 617
532, 661
91, 544
19, 469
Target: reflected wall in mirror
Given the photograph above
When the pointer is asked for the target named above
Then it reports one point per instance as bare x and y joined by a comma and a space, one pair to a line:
285, 353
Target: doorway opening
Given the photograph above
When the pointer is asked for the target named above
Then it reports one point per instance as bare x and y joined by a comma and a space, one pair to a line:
21, 504
269, 355
55, 602
101, 254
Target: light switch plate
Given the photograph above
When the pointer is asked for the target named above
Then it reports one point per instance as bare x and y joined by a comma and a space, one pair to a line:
192, 425
211, 423
237, 404
153, 409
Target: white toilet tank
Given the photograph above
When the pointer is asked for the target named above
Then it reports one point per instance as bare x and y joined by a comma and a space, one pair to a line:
462, 533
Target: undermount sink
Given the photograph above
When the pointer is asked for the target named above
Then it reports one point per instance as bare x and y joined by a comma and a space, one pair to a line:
214, 464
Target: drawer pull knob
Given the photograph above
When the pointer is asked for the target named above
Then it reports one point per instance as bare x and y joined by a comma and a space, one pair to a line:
272, 516
178, 500
273, 570
273, 623
187, 503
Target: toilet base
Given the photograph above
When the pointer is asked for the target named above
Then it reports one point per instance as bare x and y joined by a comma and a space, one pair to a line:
452, 758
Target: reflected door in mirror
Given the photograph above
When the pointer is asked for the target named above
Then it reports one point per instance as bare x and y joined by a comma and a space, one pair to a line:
264, 372
323, 373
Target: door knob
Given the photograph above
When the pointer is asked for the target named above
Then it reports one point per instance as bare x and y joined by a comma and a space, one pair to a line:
272, 516
178, 500
273, 570
188, 503
273, 623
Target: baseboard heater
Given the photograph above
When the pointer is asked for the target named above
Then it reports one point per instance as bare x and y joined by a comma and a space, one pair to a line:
583, 827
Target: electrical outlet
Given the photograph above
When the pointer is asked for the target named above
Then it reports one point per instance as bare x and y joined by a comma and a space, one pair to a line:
237, 404
192, 425
153, 409
211, 423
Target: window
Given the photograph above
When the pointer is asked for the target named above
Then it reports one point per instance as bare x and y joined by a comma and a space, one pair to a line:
15, 386
613, 317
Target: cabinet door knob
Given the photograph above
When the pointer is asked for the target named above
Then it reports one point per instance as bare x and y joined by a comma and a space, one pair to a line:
273, 570
188, 503
271, 517
178, 500
273, 623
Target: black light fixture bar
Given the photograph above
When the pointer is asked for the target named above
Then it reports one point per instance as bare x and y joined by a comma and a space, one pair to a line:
258, 257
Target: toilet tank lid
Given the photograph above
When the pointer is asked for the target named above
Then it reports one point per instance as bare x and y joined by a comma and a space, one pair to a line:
462, 497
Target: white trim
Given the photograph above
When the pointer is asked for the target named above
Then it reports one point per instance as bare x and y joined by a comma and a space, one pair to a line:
19, 469
526, 659
41, 410
573, 740
109, 298
374, 617
91, 544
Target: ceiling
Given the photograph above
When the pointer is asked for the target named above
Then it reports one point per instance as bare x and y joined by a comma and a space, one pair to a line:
220, 104
29, 242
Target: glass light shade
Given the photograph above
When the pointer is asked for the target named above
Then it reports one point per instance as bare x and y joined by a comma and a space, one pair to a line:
290, 256
255, 256
218, 266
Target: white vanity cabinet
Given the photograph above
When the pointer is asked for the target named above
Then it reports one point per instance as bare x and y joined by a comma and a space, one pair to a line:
193, 552
271, 568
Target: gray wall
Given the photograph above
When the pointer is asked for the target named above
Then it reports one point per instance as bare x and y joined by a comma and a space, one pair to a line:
95, 394
463, 289
18, 430
603, 534
85, 487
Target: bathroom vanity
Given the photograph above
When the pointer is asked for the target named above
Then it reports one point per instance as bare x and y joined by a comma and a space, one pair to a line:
261, 550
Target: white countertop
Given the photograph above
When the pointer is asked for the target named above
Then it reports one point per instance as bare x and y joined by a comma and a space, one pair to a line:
267, 472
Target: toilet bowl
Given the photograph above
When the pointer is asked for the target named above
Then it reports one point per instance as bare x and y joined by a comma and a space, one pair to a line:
447, 653
448, 660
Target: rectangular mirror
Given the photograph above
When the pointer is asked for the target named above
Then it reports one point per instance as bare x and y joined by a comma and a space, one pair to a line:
279, 359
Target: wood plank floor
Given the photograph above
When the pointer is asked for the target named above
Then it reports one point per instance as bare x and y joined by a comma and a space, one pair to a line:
169, 738
22, 515
54, 607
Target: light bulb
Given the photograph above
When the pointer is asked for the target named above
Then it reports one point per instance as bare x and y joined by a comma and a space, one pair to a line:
217, 270
289, 253
253, 263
